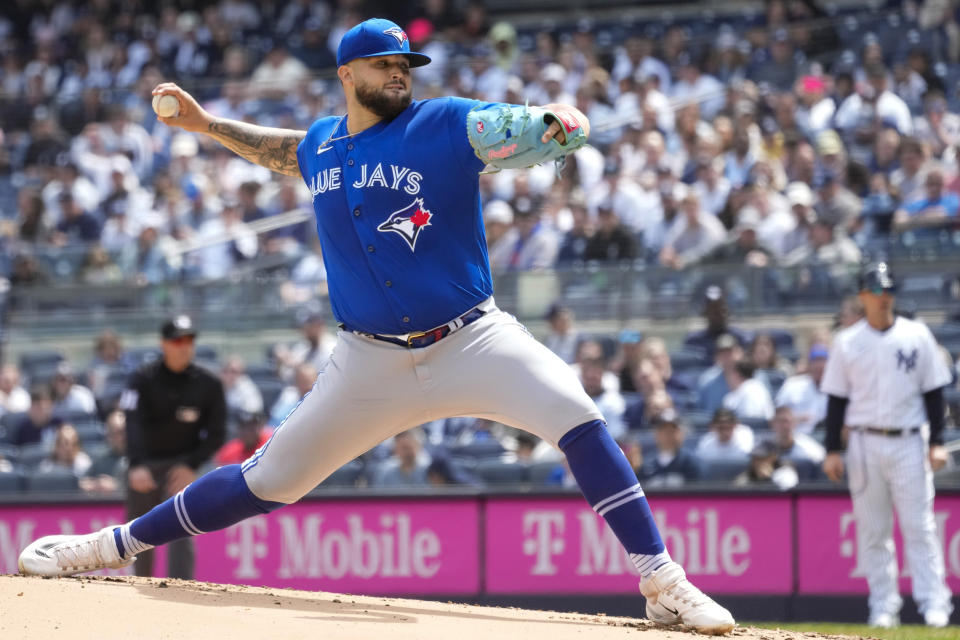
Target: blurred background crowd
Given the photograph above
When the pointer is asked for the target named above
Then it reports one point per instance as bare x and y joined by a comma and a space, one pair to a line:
791, 139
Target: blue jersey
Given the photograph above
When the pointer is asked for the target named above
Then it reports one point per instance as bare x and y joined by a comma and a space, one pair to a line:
398, 216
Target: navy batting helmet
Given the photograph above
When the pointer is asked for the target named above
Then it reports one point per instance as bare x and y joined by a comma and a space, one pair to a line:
877, 278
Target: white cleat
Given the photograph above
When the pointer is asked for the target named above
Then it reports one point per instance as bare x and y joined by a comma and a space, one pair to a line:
884, 621
671, 599
936, 618
69, 555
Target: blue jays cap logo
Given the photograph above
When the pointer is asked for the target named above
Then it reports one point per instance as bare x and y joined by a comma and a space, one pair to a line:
408, 222
397, 33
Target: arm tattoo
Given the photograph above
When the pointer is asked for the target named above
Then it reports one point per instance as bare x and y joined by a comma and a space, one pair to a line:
275, 149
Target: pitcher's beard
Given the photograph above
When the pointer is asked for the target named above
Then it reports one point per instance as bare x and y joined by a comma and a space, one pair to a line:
386, 105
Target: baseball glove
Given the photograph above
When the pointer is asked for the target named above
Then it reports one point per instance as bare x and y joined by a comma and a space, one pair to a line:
509, 136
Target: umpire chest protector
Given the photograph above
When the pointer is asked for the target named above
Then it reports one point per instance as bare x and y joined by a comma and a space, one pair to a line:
398, 216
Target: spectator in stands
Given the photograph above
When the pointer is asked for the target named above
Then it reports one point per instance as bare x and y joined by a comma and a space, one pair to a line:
443, 472
252, 433
770, 364
77, 225
727, 439
935, 209
768, 467
609, 401
828, 246
13, 397
219, 259
670, 464
851, 311
801, 200
528, 245
304, 377
107, 358
241, 393
908, 180
816, 108
408, 464
748, 397
801, 393
743, 247
937, 127
837, 205
629, 354
612, 241
647, 380
497, 219
564, 336
314, 347
717, 315
712, 387
69, 397
655, 349
39, 424
797, 447
109, 469
67, 453
691, 236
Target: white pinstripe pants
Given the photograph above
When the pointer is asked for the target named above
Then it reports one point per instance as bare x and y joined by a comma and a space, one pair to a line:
887, 473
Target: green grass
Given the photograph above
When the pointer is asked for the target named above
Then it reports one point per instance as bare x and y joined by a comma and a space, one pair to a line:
906, 632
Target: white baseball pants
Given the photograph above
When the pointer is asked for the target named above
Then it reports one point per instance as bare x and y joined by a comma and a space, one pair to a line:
371, 390
894, 472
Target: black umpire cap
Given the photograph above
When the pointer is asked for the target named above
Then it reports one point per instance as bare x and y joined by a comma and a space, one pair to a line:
177, 327
877, 277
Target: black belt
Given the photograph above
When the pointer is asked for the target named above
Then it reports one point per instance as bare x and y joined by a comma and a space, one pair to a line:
421, 339
891, 432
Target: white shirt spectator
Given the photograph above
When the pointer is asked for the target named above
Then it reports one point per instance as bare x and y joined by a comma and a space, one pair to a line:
709, 448
889, 106
808, 403
750, 400
805, 448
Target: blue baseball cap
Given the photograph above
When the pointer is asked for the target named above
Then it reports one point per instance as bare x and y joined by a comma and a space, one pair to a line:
377, 37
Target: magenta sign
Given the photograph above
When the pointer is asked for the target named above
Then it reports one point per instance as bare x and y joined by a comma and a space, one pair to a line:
827, 533
726, 545
376, 547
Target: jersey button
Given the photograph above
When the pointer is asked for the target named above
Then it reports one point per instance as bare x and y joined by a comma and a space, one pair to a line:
406, 318
388, 283
356, 212
350, 147
350, 162
370, 248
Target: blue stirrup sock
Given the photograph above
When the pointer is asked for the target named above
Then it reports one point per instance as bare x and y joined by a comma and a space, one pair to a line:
610, 486
213, 501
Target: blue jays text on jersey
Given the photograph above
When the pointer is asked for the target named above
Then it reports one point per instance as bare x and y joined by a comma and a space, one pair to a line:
398, 216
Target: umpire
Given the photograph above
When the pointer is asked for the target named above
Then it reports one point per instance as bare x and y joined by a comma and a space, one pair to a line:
176, 421
885, 379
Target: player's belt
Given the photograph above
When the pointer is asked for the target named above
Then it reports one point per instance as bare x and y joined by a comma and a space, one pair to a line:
421, 339
890, 432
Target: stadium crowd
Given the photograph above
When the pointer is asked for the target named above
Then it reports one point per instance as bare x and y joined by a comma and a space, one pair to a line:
792, 138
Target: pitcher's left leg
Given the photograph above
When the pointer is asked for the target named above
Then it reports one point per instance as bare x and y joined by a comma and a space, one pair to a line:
495, 369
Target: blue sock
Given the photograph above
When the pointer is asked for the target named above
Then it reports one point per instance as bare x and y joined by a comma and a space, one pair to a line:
213, 501
610, 486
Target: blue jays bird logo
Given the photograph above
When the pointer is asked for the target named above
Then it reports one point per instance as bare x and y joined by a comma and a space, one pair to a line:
907, 360
408, 222
397, 33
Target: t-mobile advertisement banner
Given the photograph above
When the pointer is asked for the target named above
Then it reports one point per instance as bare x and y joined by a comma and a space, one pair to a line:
370, 547
829, 561
726, 545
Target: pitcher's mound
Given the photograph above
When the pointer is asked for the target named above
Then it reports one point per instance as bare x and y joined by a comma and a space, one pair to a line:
144, 608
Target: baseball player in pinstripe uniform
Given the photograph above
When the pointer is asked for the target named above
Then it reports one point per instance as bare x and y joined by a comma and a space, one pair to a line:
885, 378
396, 197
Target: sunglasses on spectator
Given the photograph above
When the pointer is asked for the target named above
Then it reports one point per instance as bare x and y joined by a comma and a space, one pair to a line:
879, 290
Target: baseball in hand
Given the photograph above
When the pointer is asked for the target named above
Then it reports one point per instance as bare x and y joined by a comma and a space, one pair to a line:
165, 105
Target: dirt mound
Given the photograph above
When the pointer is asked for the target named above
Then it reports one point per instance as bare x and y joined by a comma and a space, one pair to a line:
104, 608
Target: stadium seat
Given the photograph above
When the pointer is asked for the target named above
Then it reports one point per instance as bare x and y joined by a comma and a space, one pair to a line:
31, 454
89, 431
206, 352
496, 472
477, 450
689, 358
345, 476
31, 360
142, 355
270, 390
50, 481
11, 481
539, 472
723, 470
757, 424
